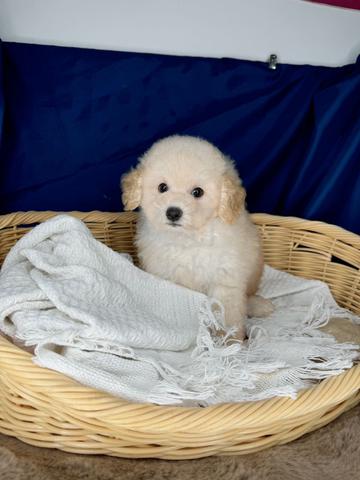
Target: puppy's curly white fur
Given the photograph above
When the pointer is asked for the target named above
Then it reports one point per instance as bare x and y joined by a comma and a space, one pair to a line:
194, 229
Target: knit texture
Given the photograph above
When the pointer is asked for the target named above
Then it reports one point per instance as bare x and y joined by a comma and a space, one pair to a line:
94, 316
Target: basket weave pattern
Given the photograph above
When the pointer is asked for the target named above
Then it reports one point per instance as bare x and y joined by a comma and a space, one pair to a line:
47, 409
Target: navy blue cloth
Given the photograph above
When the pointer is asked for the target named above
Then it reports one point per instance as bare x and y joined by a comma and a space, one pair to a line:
76, 119
2, 103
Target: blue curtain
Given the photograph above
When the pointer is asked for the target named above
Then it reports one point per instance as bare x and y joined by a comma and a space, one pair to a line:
76, 119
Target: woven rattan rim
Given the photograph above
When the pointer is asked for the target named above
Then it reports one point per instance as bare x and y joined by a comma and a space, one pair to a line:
45, 408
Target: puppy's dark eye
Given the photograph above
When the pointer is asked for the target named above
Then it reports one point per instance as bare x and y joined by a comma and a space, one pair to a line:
163, 188
197, 192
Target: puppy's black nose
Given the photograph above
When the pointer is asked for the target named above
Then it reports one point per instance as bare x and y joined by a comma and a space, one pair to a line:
174, 213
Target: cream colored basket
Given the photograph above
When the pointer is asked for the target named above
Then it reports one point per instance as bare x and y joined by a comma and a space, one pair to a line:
47, 409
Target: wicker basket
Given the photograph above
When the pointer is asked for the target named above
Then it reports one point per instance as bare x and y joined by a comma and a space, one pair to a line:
47, 409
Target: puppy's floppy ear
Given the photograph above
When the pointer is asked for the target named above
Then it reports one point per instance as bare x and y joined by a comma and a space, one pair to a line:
232, 198
131, 185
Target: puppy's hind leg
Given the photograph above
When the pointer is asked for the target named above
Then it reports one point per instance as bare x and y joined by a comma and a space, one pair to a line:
258, 306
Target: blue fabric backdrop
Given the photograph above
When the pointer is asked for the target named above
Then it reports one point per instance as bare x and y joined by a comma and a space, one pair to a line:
76, 119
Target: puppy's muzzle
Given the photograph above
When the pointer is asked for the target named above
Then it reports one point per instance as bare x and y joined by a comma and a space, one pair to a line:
174, 214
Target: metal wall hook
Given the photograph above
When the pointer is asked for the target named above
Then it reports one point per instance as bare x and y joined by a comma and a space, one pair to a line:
273, 60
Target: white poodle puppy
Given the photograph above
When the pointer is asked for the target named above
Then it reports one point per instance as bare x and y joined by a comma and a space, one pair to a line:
194, 229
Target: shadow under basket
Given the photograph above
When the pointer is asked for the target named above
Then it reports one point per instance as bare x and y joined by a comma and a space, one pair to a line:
47, 409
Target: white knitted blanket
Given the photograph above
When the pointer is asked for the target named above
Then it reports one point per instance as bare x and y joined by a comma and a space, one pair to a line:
94, 316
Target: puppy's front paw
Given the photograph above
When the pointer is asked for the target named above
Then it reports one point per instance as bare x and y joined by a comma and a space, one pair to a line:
237, 324
240, 334
258, 306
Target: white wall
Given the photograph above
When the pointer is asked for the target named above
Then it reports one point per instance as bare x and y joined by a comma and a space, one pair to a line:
297, 31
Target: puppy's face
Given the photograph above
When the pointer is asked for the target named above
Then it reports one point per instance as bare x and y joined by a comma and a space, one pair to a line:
183, 182
180, 193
